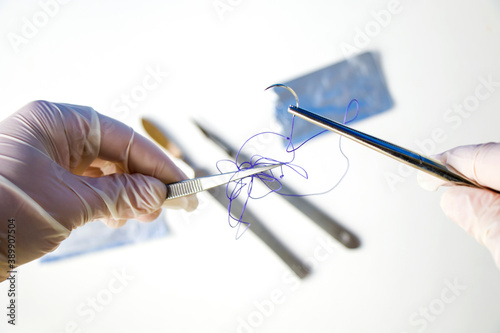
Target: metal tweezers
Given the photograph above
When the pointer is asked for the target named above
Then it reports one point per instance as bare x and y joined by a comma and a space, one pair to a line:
196, 185
426, 164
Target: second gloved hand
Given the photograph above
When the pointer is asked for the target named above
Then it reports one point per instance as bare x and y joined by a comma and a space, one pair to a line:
476, 210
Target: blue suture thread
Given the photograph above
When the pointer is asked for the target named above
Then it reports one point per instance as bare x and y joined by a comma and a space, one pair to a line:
245, 185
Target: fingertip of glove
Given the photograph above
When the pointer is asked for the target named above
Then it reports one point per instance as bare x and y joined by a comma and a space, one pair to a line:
467, 206
429, 182
188, 203
114, 223
449, 199
192, 203
149, 217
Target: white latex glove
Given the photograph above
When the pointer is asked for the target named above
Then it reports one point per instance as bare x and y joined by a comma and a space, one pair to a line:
477, 211
63, 165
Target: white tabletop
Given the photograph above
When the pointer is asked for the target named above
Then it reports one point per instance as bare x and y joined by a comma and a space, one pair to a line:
416, 271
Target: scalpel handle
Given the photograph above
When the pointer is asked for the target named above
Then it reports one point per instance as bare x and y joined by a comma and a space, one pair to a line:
324, 221
261, 231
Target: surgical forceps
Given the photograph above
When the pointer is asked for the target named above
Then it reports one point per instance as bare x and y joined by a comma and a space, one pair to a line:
196, 185
426, 164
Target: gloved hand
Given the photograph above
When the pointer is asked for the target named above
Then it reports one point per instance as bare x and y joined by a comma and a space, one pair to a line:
62, 166
475, 210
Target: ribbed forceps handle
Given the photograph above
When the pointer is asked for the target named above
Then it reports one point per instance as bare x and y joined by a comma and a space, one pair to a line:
181, 189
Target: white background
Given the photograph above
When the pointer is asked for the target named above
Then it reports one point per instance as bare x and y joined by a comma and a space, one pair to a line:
199, 279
